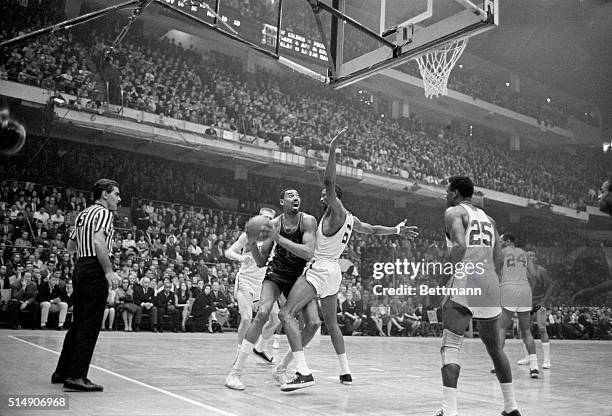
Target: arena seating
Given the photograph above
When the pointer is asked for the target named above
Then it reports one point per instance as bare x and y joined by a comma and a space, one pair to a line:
214, 90
215, 229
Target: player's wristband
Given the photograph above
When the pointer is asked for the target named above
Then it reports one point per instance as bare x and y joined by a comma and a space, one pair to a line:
397, 230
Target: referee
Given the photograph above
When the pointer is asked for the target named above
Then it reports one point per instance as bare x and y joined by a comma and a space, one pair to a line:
91, 239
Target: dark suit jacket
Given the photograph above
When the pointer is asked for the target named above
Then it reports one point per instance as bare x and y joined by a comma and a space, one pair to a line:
45, 294
202, 306
163, 301
140, 295
219, 300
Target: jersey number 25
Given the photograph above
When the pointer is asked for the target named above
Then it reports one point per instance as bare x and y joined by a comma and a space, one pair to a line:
481, 234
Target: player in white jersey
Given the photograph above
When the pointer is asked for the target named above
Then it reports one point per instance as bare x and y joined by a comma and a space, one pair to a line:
247, 289
322, 277
475, 251
516, 297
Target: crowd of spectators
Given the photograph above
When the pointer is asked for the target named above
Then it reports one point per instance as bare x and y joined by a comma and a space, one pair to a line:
163, 77
171, 256
298, 18
181, 247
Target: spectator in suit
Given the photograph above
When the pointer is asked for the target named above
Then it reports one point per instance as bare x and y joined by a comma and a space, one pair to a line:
352, 311
144, 298
23, 299
109, 309
219, 301
52, 299
125, 304
165, 301
7, 228
202, 308
23, 241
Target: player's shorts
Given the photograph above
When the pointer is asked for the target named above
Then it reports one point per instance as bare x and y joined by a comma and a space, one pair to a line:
516, 298
325, 277
250, 286
284, 283
482, 296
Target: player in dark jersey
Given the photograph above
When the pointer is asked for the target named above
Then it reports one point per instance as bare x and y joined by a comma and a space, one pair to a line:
292, 234
541, 289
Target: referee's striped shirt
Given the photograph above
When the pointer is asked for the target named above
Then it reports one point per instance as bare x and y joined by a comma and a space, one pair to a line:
87, 223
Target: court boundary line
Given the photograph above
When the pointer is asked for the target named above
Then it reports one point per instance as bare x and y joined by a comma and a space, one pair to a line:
140, 383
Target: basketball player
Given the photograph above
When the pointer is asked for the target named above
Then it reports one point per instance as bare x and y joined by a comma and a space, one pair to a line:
247, 289
322, 276
516, 297
473, 245
541, 289
605, 205
292, 234
605, 197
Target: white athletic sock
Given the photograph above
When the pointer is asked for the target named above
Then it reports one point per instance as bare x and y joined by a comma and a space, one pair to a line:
344, 367
286, 359
300, 362
262, 344
533, 361
509, 400
546, 348
526, 352
449, 401
258, 345
245, 350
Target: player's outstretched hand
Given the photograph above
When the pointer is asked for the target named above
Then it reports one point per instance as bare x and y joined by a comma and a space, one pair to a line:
409, 231
336, 139
270, 231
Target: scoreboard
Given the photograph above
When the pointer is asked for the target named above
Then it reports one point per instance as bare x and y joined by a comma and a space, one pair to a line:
262, 33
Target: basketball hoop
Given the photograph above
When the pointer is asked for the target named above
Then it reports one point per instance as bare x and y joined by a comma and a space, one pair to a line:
436, 65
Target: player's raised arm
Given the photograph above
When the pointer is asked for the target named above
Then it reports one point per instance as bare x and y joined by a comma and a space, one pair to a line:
306, 249
329, 179
456, 231
234, 252
400, 229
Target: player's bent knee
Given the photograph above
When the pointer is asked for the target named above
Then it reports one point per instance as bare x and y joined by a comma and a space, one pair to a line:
284, 314
451, 345
262, 316
313, 325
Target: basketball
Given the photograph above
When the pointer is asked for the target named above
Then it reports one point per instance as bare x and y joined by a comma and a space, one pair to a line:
12, 137
253, 227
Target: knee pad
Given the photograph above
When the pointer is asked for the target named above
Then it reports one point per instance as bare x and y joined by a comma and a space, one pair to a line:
451, 345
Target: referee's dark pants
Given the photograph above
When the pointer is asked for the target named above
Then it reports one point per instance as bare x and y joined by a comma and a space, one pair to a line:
89, 298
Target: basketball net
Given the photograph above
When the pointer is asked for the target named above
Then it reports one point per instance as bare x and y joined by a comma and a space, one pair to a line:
436, 65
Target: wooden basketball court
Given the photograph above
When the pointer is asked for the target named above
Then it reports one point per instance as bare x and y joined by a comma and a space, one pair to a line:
183, 374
